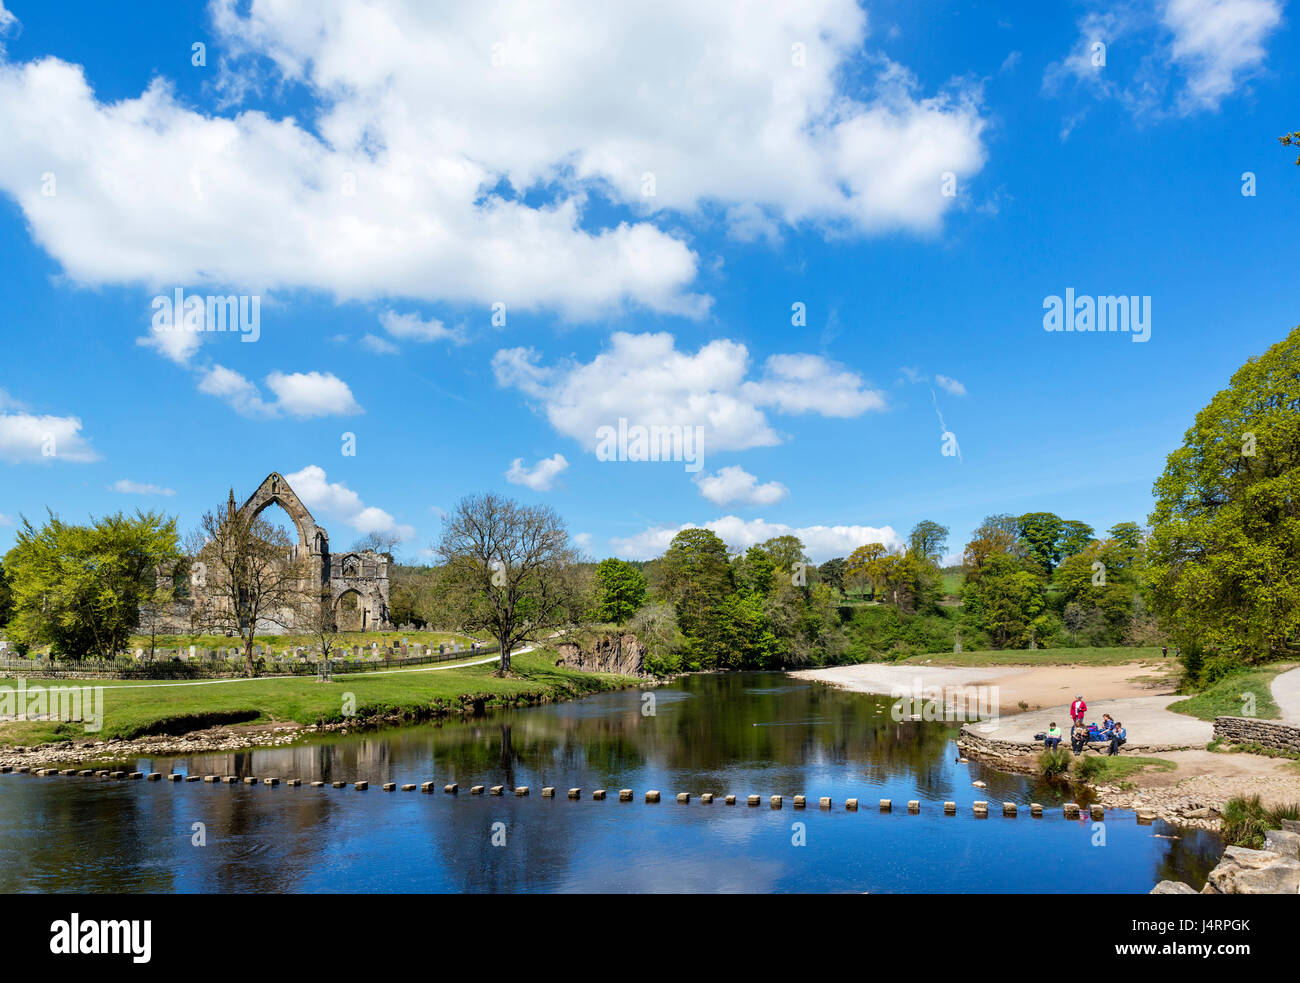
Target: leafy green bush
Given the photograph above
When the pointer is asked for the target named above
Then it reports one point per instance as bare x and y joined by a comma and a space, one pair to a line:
1246, 820
1054, 761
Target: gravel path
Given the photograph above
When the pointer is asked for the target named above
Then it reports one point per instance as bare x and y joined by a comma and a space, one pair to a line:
1286, 694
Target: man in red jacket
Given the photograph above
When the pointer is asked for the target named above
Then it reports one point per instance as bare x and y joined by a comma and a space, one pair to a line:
1078, 708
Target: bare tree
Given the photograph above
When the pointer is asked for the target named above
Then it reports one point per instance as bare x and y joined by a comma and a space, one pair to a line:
249, 571
315, 617
509, 571
378, 542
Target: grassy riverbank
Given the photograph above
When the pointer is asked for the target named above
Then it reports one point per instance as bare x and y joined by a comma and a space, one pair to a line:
139, 709
1227, 697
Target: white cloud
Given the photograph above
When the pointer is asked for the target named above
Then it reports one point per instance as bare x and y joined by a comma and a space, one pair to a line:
335, 500
7, 402
29, 437
950, 385
298, 394
1214, 45
582, 540
179, 346
1218, 43
541, 476
6, 520
426, 126
820, 542
7, 19
413, 328
380, 346
647, 380
735, 484
125, 486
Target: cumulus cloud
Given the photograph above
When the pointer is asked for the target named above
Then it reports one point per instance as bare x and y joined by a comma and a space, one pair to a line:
28, 437
335, 500
378, 345
645, 379
541, 476
298, 394
950, 385
1218, 43
7, 20
414, 328
735, 484
6, 520
820, 542
1198, 52
126, 486
453, 153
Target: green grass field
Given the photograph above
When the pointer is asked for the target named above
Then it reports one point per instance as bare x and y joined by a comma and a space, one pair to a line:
1225, 698
1113, 769
136, 709
280, 642
1043, 657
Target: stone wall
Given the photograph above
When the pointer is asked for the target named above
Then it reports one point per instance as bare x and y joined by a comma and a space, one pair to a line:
1266, 733
980, 746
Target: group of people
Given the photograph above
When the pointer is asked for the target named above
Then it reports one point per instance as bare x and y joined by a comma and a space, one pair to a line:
1110, 731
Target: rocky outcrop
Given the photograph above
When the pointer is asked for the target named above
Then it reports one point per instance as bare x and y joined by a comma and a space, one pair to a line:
1173, 887
1245, 871
623, 654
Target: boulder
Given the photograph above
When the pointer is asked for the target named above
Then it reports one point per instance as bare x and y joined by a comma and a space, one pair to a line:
1245, 871
1173, 887
1283, 841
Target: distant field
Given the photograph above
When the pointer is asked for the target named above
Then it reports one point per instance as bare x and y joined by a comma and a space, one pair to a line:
952, 583
1043, 657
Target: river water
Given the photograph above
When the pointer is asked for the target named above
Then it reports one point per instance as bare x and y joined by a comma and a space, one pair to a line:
738, 733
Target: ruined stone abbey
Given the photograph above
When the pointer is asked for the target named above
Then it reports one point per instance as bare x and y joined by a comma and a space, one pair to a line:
355, 583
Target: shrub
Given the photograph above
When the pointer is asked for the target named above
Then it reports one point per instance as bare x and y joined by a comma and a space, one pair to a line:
1054, 761
1246, 820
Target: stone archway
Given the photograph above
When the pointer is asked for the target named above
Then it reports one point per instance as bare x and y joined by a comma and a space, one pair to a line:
350, 612
313, 541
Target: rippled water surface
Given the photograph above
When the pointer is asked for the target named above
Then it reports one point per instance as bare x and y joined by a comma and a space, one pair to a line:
740, 734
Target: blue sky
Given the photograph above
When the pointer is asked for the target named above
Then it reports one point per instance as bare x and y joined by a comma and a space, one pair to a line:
380, 176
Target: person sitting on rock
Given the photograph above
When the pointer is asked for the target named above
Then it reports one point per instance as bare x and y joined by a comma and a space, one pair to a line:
1107, 725
1053, 739
1117, 737
1078, 739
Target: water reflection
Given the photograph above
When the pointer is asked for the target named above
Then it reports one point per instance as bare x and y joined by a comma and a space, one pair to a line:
740, 734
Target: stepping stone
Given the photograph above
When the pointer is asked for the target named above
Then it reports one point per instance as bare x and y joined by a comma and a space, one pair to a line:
521, 790
548, 792
598, 795
317, 784
451, 789
1035, 809
1008, 808
293, 782
426, 786
408, 788
652, 796
271, 781
684, 798
913, 805
754, 800
250, 780
775, 801
497, 789
575, 793
730, 800
212, 778
950, 808
390, 786
824, 802
134, 774
980, 808
706, 798
360, 786
476, 790
339, 784
175, 776
851, 805
154, 776
886, 805
625, 795
800, 801
230, 779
